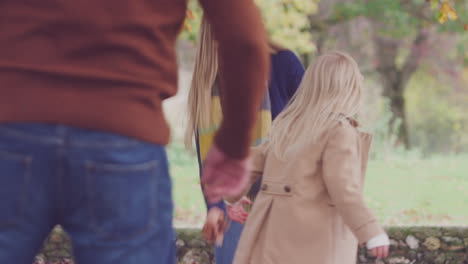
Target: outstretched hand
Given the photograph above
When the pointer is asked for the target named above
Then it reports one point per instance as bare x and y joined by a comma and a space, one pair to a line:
223, 175
215, 226
237, 212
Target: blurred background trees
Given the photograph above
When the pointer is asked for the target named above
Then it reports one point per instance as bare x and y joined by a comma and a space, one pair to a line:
395, 41
414, 55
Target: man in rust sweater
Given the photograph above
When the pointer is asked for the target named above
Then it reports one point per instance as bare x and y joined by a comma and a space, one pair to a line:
82, 131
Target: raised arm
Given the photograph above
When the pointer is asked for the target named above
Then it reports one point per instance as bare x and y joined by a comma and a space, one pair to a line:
244, 62
342, 176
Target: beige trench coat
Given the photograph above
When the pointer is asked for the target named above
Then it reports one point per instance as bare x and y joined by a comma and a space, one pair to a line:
311, 209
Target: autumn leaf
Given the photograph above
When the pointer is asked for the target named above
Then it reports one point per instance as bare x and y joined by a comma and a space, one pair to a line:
447, 12
187, 26
442, 17
189, 16
452, 15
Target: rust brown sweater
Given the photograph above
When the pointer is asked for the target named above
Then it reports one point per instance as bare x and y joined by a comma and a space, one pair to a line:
108, 64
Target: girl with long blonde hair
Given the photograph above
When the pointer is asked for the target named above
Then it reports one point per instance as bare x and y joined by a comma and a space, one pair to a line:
205, 115
310, 208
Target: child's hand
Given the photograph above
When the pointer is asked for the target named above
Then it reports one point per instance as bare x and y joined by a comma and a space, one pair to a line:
215, 226
237, 212
379, 245
380, 252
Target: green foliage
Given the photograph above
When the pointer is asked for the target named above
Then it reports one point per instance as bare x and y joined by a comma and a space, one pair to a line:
396, 20
401, 18
192, 24
462, 49
384, 132
288, 24
437, 117
437, 120
286, 21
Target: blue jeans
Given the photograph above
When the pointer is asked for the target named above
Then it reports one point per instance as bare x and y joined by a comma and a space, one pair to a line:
225, 253
111, 193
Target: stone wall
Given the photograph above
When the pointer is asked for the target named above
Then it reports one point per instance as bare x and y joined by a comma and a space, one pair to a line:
424, 245
410, 245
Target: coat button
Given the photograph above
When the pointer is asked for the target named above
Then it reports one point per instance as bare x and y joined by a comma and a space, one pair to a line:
264, 187
287, 188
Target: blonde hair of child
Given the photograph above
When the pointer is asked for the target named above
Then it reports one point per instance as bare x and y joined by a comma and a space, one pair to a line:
330, 91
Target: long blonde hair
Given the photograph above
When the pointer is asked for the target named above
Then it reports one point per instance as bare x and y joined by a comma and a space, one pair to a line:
203, 80
204, 77
331, 90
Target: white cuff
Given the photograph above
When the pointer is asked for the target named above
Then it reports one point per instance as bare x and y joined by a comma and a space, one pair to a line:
231, 204
378, 241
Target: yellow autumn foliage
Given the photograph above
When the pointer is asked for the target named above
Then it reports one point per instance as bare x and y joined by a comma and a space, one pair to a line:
447, 12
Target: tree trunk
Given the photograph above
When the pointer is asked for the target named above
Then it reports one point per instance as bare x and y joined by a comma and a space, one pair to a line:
394, 90
394, 87
398, 108
395, 79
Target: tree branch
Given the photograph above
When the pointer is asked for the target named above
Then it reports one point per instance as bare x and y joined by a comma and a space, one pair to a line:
418, 11
418, 51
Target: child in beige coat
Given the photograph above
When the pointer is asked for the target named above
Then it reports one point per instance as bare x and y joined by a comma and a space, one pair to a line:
311, 207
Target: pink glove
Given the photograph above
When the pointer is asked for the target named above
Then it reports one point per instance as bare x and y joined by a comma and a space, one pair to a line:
237, 212
223, 176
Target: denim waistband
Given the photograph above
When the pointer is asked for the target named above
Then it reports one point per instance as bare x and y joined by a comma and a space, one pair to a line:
52, 134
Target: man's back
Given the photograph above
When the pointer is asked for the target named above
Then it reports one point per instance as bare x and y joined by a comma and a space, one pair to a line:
82, 126
60, 59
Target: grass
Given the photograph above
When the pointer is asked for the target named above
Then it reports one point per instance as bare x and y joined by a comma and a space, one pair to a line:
401, 191
419, 192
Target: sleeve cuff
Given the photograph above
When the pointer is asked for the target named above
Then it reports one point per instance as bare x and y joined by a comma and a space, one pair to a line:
378, 241
220, 205
368, 231
227, 203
